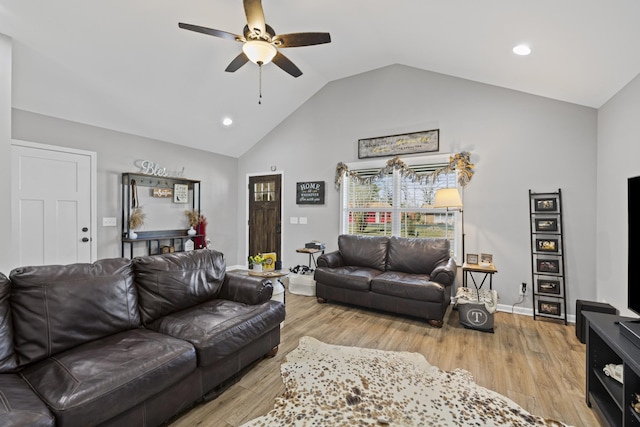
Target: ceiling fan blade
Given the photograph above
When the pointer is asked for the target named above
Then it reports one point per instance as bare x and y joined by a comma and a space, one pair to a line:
237, 62
285, 63
255, 16
211, 32
301, 39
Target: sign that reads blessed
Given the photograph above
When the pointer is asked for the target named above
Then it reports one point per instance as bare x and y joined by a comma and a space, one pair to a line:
310, 193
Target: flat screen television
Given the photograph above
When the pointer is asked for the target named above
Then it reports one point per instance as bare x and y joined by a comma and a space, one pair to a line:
631, 329
633, 219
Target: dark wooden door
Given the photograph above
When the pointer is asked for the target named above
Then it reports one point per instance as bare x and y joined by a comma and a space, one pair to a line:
265, 217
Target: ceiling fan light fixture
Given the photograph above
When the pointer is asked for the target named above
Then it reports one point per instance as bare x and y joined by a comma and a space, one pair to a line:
259, 52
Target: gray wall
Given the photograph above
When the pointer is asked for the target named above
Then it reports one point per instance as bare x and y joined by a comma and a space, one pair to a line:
618, 153
5, 151
117, 153
518, 142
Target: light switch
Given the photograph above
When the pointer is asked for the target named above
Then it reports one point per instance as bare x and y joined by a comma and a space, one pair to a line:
293, 220
303, 220
109, 222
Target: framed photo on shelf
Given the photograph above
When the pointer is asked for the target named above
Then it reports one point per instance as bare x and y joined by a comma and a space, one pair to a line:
472, 258
547, 245
547, 265
486, 259
546, 224
549, 286
180, 193
545, 205
552, 308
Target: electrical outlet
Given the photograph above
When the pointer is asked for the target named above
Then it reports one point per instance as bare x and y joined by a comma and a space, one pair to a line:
523, 288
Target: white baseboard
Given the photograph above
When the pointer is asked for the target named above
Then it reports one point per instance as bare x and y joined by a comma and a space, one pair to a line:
527, 311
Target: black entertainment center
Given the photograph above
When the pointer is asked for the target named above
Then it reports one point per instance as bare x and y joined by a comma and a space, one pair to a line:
615, 340
605, 344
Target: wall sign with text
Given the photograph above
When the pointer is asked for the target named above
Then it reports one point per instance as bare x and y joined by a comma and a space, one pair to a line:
310, 193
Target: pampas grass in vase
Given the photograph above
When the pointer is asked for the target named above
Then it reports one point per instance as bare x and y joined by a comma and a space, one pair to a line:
136, 220
194, 219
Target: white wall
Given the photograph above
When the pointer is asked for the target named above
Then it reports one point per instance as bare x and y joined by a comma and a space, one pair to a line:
618, 154
518, 142
117, 153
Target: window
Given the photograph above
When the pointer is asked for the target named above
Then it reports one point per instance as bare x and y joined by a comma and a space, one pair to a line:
396, 205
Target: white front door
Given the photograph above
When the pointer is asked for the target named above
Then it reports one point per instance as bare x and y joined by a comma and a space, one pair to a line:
51, 205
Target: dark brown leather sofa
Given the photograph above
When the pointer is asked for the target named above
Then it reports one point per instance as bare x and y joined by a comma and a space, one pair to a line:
127, 343
395, 274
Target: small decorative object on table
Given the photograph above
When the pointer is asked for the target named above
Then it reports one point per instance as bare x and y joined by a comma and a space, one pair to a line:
472, 258
256, 262
486, 260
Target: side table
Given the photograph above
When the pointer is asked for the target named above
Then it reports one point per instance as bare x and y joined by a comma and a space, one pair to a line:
311, 252
468, 270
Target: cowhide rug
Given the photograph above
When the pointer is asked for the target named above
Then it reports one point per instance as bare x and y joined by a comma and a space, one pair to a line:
329, 385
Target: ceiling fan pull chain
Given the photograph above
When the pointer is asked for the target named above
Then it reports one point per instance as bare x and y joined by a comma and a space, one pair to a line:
260, 83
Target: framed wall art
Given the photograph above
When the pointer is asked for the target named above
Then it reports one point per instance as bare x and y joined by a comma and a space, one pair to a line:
472, 258
545, 205
549, 286
551, 308
546, 225
427, 141
547, 265
547, 245
180, 193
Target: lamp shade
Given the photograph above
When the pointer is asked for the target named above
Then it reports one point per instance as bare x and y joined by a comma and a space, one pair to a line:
259, 52
447, 198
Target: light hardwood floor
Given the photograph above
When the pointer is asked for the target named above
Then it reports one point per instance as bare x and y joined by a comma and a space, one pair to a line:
538, 364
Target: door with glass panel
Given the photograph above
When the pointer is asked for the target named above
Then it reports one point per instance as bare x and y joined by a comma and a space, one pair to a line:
265, 217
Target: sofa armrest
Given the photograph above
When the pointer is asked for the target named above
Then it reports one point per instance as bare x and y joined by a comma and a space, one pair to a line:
331, 260
241, 287
445, 272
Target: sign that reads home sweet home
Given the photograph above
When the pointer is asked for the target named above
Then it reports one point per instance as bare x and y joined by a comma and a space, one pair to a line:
310, 193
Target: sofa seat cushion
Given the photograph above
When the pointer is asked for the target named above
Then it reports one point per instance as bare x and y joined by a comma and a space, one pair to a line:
348, 277
219, 328
410, 286
19, 406
101, 379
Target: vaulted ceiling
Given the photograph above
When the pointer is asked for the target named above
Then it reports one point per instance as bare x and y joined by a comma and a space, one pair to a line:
125, 65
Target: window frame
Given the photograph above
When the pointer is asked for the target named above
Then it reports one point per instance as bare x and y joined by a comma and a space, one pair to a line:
396, 209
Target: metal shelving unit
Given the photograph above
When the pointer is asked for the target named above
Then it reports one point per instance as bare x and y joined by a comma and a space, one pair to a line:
548, 273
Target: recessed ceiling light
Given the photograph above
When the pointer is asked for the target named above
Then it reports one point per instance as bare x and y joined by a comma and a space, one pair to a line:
227, 121
522, 49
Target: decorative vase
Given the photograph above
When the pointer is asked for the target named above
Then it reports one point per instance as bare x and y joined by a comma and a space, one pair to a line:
191, 231
133, 235
257, 268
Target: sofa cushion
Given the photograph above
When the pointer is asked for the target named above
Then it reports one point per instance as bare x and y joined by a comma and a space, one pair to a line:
98, 380
364, 251
58, 307
7, 355
419, 255
410, 286
349, 277
219, 328
172, 282
19, 405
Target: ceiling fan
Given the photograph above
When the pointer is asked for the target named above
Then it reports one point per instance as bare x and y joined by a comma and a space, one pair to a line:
260, 41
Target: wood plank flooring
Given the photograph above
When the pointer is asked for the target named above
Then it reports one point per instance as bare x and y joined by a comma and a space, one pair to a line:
539, 365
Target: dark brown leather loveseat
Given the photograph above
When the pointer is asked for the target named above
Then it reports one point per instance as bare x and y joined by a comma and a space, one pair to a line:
395, 274
127, 343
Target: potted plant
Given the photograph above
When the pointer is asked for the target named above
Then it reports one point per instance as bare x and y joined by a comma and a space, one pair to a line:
257, 262
193, 216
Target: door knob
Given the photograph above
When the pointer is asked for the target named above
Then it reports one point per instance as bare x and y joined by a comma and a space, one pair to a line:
85, 239
85, 229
